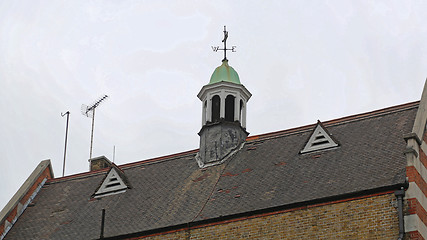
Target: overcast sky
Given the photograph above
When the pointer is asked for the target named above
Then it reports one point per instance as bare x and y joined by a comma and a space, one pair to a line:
301, 60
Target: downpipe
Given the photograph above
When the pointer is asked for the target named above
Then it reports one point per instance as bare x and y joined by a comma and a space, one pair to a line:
399, 196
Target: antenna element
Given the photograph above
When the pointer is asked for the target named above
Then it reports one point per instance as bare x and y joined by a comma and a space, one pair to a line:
89, 111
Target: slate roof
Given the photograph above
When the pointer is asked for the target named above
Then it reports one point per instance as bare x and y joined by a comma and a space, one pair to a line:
269, 172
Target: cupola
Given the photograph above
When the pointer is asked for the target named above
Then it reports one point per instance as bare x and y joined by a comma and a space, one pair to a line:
224, 101
224, 98
225, 73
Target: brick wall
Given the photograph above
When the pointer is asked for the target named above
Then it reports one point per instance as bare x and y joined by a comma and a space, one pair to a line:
416, 195
18, 208
372, 217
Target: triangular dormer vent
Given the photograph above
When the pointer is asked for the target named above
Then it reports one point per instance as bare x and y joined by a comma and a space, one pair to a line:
320, 139
115, 182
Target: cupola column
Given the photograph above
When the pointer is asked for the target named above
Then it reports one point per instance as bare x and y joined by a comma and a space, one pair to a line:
244, 115
209, 109
222, 106
237, 108
204, 113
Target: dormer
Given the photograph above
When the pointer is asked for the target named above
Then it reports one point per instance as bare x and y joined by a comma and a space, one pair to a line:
320, 139
114, 182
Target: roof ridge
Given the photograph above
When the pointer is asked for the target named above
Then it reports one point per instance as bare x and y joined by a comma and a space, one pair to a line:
372, 114
337, 121
158, 159
123, 166
265, 136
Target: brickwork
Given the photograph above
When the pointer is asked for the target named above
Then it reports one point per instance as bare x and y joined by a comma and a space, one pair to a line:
13, 214
373, 217
45, 174
414, 176
415, 235
414, 207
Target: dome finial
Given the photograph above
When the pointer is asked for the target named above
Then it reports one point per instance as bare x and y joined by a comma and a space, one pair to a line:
225, 49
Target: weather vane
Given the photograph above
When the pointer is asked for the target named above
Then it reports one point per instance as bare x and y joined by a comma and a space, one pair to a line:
225, 49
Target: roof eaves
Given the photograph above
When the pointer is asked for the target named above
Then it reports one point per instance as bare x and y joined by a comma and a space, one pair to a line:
265, 211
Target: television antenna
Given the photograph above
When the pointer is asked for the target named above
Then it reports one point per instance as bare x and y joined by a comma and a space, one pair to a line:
89, 111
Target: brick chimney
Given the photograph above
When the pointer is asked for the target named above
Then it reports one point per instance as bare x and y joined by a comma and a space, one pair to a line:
99, 163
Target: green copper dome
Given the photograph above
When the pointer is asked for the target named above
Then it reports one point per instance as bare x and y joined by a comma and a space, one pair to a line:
224, 73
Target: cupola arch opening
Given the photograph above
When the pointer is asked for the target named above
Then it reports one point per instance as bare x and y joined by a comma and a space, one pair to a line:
216, 108
229, 108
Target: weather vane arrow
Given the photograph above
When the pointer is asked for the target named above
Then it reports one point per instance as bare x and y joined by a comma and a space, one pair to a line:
225, 49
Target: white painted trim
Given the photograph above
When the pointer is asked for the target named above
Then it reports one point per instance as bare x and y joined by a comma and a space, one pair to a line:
223, 89
237, 107
318, 131
244, 115
204, 108
209, 111
105, 189
414, 223
232, 93
222, 105
211, 88
110, 193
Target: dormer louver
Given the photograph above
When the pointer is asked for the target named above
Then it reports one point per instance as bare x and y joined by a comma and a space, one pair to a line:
115, 182
320, 139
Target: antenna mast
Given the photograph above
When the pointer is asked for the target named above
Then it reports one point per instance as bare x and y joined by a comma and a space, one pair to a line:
66, 137
89, 111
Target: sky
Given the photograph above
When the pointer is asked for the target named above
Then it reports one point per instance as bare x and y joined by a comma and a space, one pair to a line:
301, 60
